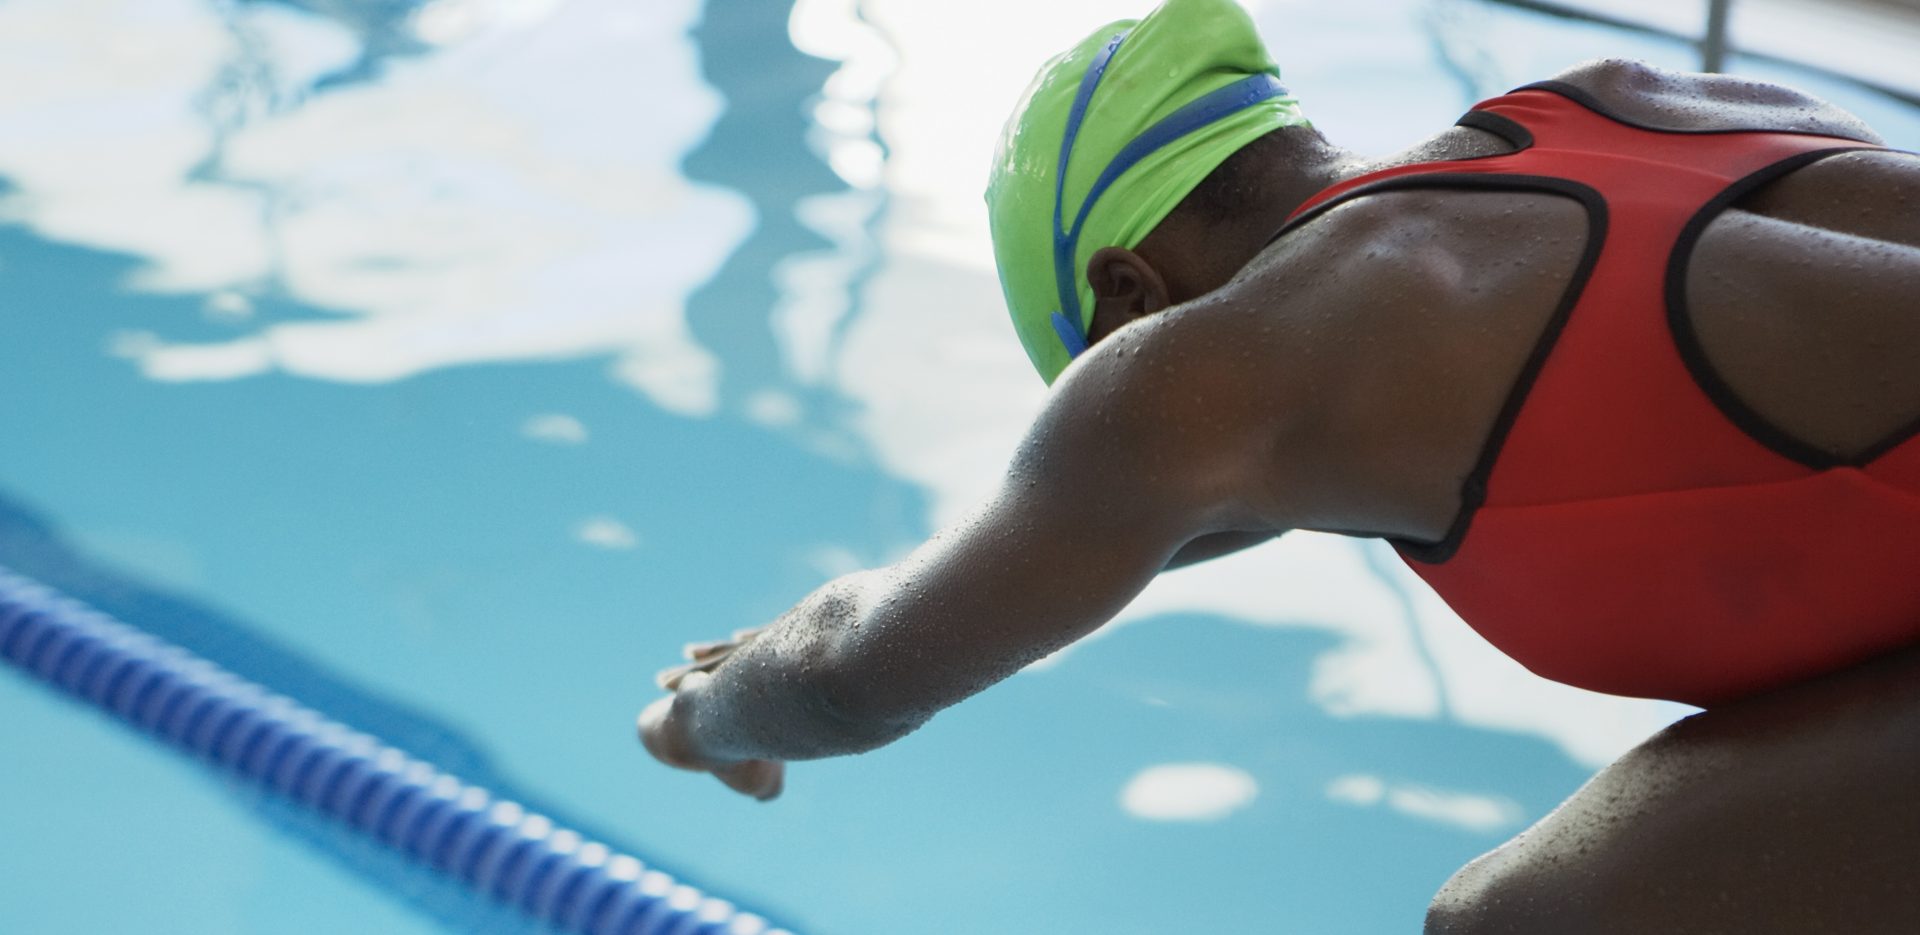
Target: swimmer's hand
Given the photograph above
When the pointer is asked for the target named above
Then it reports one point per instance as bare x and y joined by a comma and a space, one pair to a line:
705, 657
663, 732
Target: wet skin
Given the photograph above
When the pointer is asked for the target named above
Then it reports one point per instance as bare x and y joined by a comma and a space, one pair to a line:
1345, 378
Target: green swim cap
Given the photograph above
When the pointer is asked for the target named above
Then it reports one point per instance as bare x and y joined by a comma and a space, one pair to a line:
1108, 139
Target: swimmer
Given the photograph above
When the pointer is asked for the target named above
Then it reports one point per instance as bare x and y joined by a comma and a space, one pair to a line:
1624, 364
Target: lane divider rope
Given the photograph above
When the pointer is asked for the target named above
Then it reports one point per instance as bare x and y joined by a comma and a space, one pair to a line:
495, 848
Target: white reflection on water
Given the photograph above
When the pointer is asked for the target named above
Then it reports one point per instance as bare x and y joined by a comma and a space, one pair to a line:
555, 428
945, 391
1485, 814
1188, 792
607, 533
515, 195
815, 286
444, 22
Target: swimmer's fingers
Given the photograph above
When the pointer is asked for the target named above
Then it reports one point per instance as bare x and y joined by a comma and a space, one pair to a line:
705, 657
704, 662
663, 734
701, 652
708, 651
761, 779
669, 679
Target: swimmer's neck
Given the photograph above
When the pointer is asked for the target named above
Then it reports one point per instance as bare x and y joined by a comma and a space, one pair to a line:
1203, 244
1299, 163
1200, 246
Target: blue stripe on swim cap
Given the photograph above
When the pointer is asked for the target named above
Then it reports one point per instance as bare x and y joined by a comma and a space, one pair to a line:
1195, 114
1064, 241
1070, 336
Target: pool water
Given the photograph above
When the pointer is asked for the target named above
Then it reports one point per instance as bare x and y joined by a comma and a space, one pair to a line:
448, 365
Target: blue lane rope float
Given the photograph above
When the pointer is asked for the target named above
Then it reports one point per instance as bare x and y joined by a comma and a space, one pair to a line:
494, 848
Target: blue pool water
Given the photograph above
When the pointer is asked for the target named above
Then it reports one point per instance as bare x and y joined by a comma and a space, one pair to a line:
448, 365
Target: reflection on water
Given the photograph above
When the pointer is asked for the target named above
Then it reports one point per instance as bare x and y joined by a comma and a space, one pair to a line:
728, 265
515, 195
768, 86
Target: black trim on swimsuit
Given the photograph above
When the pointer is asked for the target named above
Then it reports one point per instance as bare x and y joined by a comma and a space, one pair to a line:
1687, 340
1585, 98
1473, 492
1513, 131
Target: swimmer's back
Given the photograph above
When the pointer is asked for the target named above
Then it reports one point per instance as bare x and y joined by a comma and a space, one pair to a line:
1806, 293
1550, 377
1422, 306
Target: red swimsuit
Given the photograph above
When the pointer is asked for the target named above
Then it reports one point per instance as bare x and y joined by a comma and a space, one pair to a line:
1632, 527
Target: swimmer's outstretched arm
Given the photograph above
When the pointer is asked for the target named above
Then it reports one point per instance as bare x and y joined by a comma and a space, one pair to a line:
1134, 457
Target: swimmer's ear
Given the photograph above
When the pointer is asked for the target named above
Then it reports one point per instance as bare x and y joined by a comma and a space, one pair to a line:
1125, 288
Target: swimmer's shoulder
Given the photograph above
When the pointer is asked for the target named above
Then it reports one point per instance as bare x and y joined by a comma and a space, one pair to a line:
1641, 94
1407, 315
